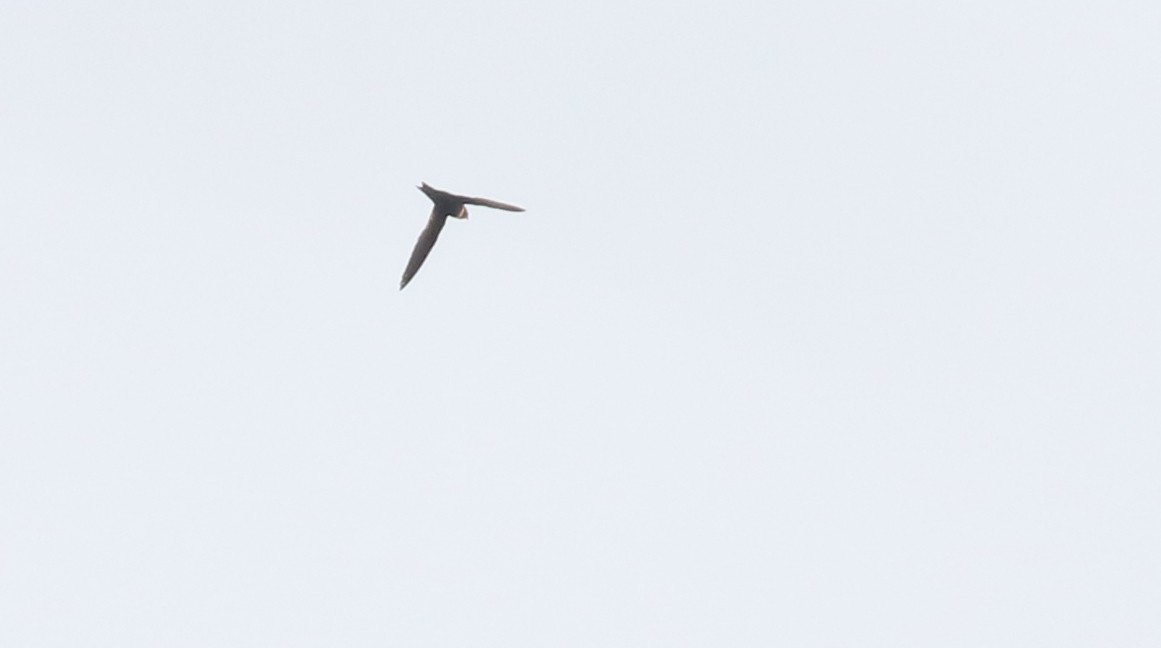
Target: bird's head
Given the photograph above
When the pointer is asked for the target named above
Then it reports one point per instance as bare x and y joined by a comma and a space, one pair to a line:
463, 212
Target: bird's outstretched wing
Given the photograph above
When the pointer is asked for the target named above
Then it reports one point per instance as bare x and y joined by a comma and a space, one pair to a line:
494, 204
426, 241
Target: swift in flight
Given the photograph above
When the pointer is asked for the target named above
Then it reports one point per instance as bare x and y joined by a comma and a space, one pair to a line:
446, 204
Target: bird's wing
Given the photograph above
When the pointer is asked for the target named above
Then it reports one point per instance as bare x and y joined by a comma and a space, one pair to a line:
426, 241
495, 204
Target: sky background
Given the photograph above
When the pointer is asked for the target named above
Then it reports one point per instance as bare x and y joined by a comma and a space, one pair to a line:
828, 324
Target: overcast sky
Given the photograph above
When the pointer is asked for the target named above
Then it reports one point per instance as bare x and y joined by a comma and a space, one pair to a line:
828, 323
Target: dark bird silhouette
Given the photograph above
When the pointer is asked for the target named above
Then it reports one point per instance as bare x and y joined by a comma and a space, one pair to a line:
446, 204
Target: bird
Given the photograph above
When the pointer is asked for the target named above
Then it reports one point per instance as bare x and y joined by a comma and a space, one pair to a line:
446, 204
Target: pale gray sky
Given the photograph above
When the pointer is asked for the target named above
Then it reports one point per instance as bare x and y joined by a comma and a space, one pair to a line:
828, 324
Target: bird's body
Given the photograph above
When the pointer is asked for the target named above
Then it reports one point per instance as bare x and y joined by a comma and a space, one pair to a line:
445, 205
